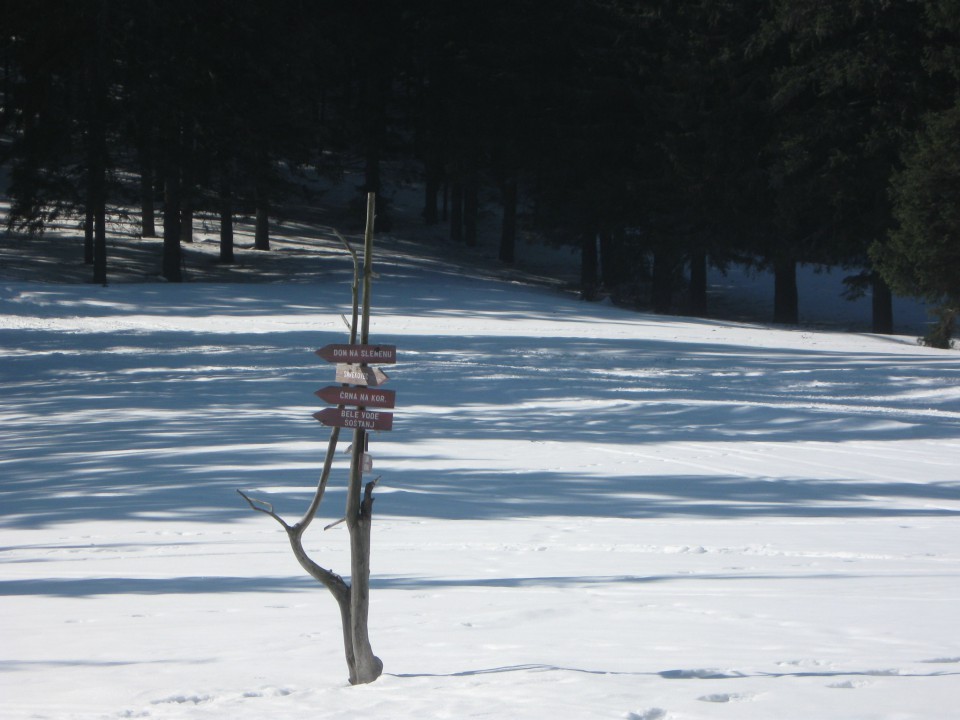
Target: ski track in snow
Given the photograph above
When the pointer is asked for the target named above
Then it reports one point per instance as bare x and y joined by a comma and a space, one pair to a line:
584, 512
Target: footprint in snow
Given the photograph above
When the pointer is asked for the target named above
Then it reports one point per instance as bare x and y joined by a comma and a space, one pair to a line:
649, 714
184, 700
849, 684
726, 697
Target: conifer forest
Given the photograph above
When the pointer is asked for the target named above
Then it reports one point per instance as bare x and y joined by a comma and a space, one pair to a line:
663, 137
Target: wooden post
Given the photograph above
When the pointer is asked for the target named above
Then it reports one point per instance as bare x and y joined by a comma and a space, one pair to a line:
353, 598
359, 512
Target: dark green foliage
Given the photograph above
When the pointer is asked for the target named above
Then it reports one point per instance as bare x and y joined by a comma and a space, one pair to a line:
922, 256
666, 135
847, 96
940, 336
701, 184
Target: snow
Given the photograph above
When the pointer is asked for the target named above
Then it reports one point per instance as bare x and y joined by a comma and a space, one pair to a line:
584, 512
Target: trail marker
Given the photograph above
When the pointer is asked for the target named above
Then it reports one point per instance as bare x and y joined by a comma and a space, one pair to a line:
360, 375
357, 396
351, 418
355, 354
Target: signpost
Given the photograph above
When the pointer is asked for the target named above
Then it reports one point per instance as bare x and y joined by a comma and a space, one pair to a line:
339, 395
352, 409
355, 354
359, 389
355, 418
360, 375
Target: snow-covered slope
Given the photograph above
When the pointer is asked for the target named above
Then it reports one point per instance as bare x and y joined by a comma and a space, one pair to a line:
583, 512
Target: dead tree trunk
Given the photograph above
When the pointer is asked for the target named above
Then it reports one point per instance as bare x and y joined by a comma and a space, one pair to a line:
359, 513
353, 598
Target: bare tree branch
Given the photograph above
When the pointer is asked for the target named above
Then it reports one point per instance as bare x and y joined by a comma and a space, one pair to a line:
322, 483
335, 523
264, 507
355, 288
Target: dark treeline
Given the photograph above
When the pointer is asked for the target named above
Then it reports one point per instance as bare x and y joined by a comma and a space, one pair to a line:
658, 137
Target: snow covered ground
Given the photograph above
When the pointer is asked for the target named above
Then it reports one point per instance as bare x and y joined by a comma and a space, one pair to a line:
584, 512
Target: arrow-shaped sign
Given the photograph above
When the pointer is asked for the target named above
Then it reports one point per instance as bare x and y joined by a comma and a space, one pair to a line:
351, 418
360, 375
357, 396
359, 353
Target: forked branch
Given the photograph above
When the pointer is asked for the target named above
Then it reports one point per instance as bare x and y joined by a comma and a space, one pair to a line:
266, 508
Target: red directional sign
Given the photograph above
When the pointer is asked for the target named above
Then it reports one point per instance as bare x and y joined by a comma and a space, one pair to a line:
357, 396
356, 354
360, 375
351, 418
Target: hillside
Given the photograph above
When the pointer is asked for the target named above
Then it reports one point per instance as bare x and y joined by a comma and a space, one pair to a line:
302, 243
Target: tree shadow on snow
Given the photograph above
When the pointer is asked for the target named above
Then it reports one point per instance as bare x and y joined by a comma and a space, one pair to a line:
159, 424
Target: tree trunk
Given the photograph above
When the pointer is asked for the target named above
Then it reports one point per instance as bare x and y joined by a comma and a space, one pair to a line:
664, 269
359, 520
617, 265
508, 232
100, 235
7, 108
172, 259
148, 227
346, 626
160, 176
88, 229
698, 284
607, 277
353, 600
186, 218
261, 239
187, 188
589, 265
434, 175
456, 211
226, 218
471, 206
97, 167
359, 511
445, 190
786, 304
882, 301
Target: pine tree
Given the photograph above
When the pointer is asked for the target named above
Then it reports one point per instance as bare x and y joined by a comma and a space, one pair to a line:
922, 256
846, 98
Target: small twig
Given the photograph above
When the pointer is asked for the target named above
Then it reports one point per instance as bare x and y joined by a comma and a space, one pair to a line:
335, 523
355, 290
264, 507
346, 244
